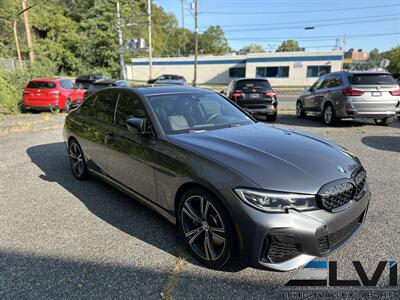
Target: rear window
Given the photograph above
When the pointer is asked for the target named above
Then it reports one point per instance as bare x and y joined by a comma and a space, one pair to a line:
41, 85
372, 79
253, 85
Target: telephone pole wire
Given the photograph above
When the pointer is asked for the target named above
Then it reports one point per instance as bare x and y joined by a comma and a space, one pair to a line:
196, 42
150, 44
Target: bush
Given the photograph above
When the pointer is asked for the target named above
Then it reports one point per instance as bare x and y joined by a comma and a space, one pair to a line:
12, 85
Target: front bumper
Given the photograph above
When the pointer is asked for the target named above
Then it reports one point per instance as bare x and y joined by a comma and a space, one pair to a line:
295, 238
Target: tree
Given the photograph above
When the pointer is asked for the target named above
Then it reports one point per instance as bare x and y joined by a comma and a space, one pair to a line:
374, 55
394, 56
213, 41
252, 48
289, 45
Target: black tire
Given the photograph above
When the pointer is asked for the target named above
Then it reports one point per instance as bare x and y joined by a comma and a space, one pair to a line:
77, 160
220, 251
329, 115
384, 122
398, 117
271, 118
300, 113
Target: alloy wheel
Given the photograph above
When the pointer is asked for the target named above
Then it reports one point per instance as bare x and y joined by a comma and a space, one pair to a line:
203, 228
328, 113
76, 159
299, 109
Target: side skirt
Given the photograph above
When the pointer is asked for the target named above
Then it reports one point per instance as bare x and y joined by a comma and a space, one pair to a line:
135, 195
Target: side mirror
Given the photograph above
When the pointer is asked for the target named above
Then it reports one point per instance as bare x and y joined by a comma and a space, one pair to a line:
222, 92
136, 125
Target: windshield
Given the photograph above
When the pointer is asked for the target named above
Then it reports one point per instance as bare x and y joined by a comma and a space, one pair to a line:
372, 79
191, 112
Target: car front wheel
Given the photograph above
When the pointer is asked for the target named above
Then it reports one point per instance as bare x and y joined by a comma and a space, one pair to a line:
206, 228
300, 113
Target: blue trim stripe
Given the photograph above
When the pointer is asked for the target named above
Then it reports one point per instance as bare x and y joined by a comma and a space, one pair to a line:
190, 62
392, 263
317, 264
240, 61
294, 58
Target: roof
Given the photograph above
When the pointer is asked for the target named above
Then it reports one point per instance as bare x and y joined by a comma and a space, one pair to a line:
150, 90
106, 81
49, 79
368, 72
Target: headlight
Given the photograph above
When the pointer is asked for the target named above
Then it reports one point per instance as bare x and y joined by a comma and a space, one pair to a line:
276, 201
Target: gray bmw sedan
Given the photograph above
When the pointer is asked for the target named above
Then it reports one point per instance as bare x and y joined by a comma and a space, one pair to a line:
242, 193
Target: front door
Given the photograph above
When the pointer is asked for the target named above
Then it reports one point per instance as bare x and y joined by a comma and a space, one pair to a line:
130, 157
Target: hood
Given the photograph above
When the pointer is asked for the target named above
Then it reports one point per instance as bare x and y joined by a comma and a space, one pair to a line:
273, 158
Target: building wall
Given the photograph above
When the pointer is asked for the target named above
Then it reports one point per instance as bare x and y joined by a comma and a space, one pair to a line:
215, 69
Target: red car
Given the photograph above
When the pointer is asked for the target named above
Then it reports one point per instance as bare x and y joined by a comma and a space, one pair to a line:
51, 93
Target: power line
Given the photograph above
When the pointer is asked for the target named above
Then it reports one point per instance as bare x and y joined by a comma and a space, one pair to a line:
317, 25
307, 21
316, 38
295, 11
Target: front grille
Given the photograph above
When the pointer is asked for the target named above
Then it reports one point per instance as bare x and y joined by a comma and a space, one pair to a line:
360, 180
336, 195
279, 248
330, 241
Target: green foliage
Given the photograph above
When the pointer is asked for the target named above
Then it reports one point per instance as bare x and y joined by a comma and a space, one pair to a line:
252, 48
374, 55
394, 56
213, 41
289, 45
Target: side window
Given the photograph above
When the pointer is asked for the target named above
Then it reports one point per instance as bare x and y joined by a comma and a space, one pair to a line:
67, 84
87, 106
326, 82
104, 106
336, 81
129, 106
317, 84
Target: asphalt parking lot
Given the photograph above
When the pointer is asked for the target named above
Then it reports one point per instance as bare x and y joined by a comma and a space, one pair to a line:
63, 238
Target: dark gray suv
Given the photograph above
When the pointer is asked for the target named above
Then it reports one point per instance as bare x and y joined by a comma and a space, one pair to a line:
340, 95
238, 190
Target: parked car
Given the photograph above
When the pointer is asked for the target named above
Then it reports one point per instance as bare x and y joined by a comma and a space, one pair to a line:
238, 190
255, 95
85, 80
167, 77
51, 93
356, 94
171, 82
103, 83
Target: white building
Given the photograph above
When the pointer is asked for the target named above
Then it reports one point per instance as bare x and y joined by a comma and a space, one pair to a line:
283, 69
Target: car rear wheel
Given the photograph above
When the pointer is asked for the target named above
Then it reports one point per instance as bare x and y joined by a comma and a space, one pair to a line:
329, 115
271, 118
384, 121
206, 229
300, 113
77, 160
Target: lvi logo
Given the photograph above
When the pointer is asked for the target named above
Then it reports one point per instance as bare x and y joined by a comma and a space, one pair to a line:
324, 273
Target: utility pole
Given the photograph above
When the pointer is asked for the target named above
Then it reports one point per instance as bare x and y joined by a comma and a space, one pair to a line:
183, 13
17, 44
196, 43
28, 30
150, 45
120, 42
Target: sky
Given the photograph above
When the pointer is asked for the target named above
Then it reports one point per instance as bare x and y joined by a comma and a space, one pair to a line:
362, 24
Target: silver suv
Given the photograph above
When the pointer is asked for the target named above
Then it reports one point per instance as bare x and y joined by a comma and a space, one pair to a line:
357, 94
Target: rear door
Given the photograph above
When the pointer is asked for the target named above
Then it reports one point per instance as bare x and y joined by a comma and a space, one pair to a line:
98, 112
376, 88
335, 91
